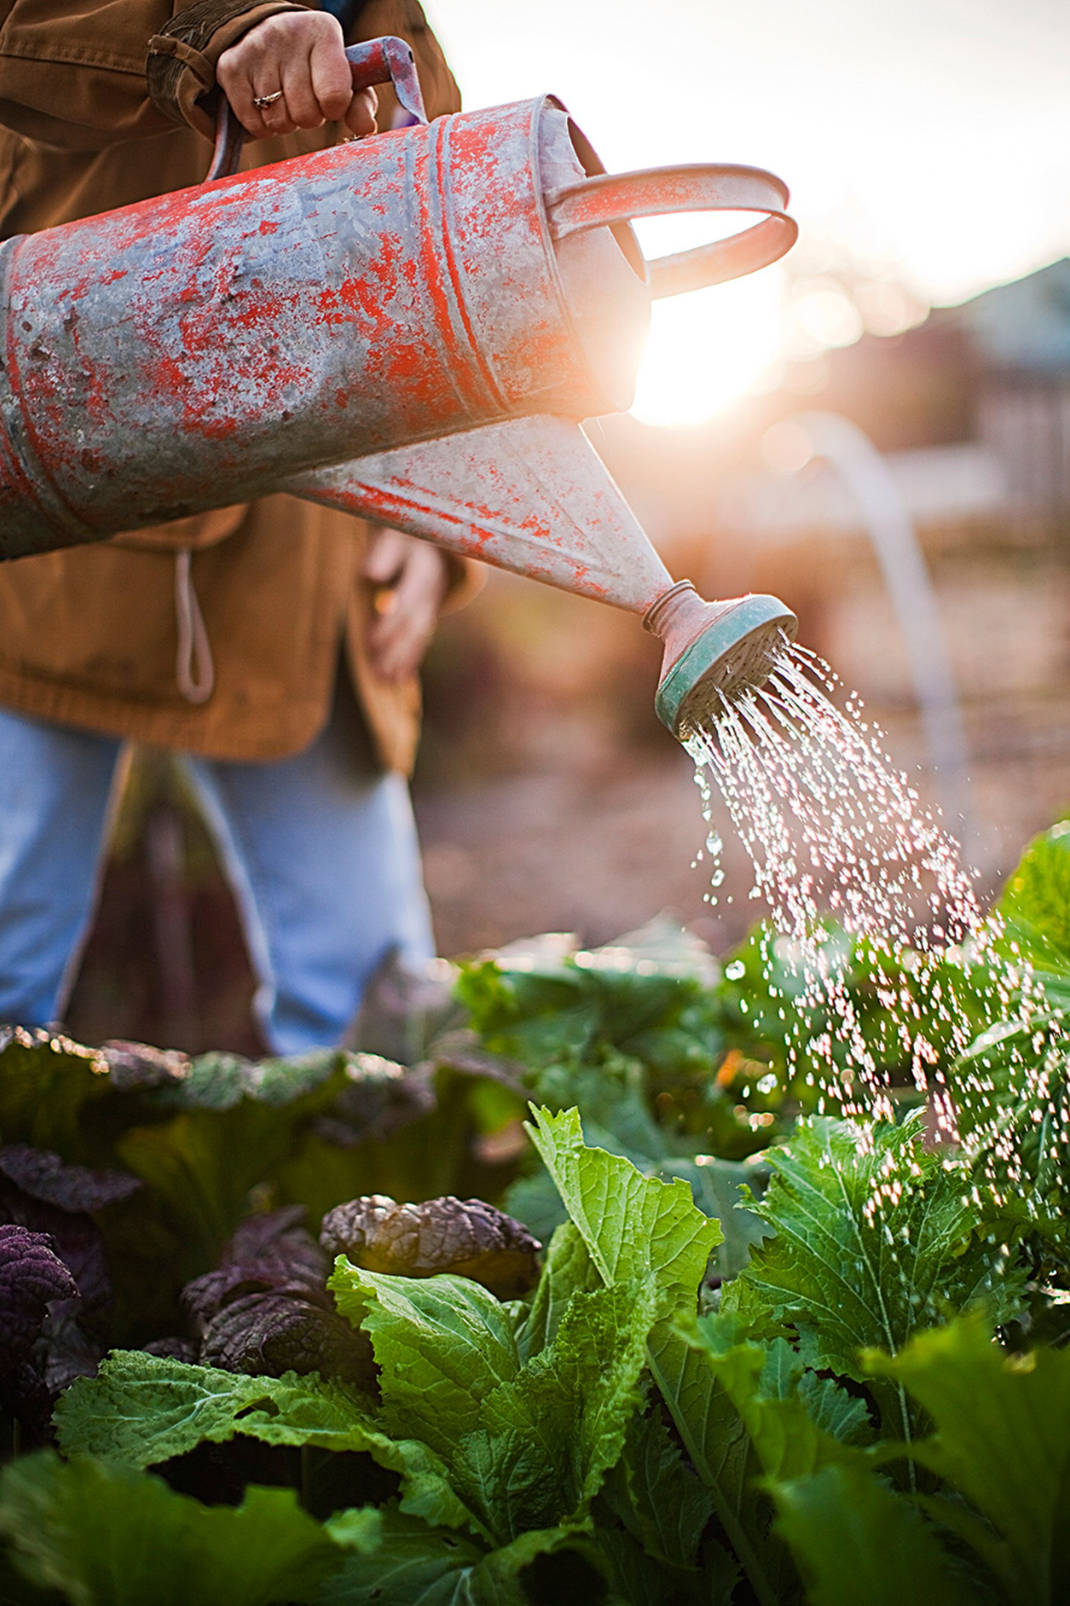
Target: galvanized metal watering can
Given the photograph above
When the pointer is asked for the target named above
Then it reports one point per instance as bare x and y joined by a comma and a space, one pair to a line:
409, 328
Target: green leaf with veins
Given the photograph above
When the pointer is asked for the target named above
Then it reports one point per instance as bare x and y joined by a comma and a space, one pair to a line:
641, 1230
721, 1188
441, 1344
413, 1565
110, 1536
143, 1409
607, 1031
420, 1566
659, 1499
568, 1267
756, 1410
795, 1420
1002, 1440
876, 1238
857, 1543
527, 1439
1010, 1088
636, 1229
1012, 1102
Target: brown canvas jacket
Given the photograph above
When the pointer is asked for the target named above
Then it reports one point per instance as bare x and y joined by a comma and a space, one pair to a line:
218, 634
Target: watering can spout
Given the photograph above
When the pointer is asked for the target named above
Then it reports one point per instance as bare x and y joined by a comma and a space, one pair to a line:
713, 652
532, 495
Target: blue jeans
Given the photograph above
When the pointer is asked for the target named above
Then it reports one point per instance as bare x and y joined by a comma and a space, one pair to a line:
320, 849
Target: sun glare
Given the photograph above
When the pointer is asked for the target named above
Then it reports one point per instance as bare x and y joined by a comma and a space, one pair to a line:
709, 348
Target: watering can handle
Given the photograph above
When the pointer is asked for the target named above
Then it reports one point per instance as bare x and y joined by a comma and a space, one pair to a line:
375, 61
612, 198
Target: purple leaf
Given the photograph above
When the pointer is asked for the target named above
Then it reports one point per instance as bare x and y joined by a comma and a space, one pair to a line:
267, 1334
75, 1238
267, 1253
463, 1236
32, 1277
44, 1176
279, 1233
205, 1296
34, 1283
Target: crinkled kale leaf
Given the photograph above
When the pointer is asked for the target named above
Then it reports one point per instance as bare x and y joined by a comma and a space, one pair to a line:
32, 1280
465, 1237
266, 1309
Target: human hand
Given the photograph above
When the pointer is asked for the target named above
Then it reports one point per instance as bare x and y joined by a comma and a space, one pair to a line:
412, 582
301, 53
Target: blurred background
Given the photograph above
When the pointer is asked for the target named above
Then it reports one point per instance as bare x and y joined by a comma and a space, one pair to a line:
876, 429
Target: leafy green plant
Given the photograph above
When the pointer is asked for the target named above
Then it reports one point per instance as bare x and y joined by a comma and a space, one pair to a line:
994, 1529
1011, 1086
82, 1527
811, 1374
874, 1237
194, 1144
534, 1443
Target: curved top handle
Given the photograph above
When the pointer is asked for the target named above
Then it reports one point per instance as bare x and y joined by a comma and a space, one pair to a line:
375, 61
618, 197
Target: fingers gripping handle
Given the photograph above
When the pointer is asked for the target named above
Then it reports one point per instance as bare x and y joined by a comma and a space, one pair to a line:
375, 61
618, 197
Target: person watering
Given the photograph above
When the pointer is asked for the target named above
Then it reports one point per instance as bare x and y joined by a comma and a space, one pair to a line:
253, 641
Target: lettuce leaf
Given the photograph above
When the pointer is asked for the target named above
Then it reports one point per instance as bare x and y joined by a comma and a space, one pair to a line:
1002, 1440
796, 1421
414, 1565
860, 1544
528, 1438
110, 1536
876, 1238
1002, 1452
567, 1268
636, 1229
641, 1231
143, 1410
1035, 904
420, 1566
660, 1501
482, 1436
442, 1345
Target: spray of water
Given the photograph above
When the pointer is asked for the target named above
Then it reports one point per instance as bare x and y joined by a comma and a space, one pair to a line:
832, 828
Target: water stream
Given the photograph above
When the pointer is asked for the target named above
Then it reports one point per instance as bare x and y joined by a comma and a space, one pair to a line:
833, 829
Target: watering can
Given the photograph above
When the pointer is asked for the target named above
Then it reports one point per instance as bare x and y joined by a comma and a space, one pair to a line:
409, 328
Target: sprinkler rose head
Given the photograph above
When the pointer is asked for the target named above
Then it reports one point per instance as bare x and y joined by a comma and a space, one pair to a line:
713, 651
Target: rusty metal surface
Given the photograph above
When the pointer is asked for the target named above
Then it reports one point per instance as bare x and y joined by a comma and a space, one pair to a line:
409, 328
617, 197
195, 349
531, 495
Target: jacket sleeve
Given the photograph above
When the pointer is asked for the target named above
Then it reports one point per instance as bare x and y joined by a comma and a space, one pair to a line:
73, 73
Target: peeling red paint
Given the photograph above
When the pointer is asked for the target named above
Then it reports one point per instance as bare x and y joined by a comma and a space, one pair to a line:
203, 347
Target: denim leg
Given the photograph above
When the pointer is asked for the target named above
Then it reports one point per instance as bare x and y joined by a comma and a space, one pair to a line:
322, 853
55, 786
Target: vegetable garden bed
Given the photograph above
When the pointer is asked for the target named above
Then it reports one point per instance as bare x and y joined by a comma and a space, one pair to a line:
767, 1355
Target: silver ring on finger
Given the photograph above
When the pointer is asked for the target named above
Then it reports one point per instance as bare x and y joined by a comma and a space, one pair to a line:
260, 101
